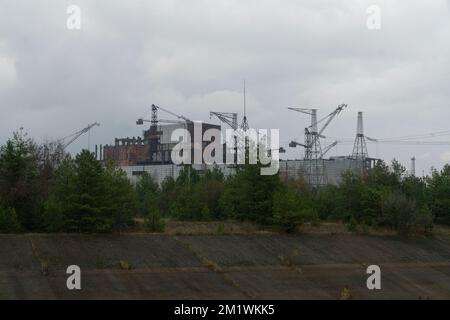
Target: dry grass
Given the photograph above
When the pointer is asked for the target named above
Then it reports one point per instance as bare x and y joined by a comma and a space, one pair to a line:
441, 231
212, 228
238, 228
125, 265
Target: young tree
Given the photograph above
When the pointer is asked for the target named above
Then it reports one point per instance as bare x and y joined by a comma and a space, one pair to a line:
213, 184
121, 201
287, 209
9, 223
359, 200
398, 212
59, 205
153, 221
438, 194
88, 208
189, 195
18, 178
424, 221
85, 197
167, 195
148, 193
249, 195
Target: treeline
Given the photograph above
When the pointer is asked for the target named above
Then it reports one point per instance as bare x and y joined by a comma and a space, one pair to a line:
43, 191
384, 196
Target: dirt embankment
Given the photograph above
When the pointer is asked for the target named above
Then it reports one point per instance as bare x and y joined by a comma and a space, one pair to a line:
239, 266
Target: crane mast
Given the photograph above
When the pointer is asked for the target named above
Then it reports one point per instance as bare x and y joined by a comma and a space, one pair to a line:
313, 151
153, 135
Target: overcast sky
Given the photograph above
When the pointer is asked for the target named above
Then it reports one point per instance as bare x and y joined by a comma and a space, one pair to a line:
192, 56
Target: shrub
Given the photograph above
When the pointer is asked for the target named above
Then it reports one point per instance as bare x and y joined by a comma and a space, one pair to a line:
52, 218
220, 228
288, 221
310, 215
352, 225
248, 195
9, 222
125, 265
153, 221
364, 228
438, 194
424, 221
398, 212
205, 213
287, 210
20, 187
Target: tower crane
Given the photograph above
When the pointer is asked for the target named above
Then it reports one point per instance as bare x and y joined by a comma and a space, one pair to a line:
154, 120
226, 117
77, 134
153, 135
313, 151
141, 121
172, 113
328, 148
230, 118
313, 134
54, 151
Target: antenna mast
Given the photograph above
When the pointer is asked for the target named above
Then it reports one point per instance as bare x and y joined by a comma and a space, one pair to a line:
244, 124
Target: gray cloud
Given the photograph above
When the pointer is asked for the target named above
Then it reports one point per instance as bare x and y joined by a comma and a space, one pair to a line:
192, 57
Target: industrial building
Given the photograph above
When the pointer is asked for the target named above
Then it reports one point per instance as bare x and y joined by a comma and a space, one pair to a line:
152, 152
155, 147
289, 169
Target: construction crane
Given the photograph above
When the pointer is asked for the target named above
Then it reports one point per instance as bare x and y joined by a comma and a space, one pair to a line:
76, 135
153, 135
141, 121
229, 118
313, 151
155, 119
226, 117
294, 144
328, 148
330, 117
313, 134
54, 151
172, 113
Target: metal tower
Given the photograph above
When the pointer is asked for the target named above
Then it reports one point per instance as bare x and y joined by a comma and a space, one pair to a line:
244, 124
360, 147
413, 166
315, 169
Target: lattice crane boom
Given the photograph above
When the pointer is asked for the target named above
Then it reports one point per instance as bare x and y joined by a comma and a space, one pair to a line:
77, 134
172, 113
328, 148
226, 117
330, 117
